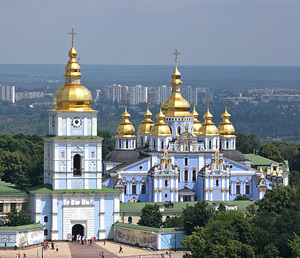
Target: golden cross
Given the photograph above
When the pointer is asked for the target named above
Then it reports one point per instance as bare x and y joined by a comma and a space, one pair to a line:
176, 53
72, 33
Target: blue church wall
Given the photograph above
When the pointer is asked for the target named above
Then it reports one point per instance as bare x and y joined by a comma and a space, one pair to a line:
96, 216
136, 167
109, 216
76, 131
62, 184
254, 190
168, 240
92, 184
60, 217
166, 192
77, 183
46, 209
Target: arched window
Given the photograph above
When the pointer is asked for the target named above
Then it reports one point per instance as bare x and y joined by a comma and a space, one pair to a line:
129, 220
77, 165
227, 144
46, 219
194, 175
45, 232
127, 144
171, 130
186, 161
143, 188
166, 182
120, 143
154, 144
216, 144
238, 189
92, 154
62, 154
162, 144
178, 130
209, 144
125, 189
220, 144
133, 189
142, 141
186, 175
217, 182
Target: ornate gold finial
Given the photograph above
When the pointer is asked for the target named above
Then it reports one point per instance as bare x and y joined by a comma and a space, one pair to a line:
176, 53
186, 127
208, 104
72, 33
119, 176
125, 103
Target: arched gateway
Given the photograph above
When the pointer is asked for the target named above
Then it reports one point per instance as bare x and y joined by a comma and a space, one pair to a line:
77, 229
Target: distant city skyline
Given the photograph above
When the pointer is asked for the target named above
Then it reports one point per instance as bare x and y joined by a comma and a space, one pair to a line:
132, 32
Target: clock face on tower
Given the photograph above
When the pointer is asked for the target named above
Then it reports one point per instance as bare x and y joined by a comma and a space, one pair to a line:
76, 122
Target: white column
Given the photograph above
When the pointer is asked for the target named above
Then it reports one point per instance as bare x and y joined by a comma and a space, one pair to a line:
160, 195
59, 126
94, 126
116, 208
68, 126
99, 166
54, 230
181, 198
222, 194
85, 121
102, 212
37, 209
86, 166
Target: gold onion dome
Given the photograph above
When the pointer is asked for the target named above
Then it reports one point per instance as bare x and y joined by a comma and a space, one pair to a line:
125, 129
226, 128
208, 128
72, 96
160, 128
176, 105
197, 124
147, 124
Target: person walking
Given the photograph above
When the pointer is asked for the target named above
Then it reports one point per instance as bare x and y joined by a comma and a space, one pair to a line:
121, 249
56, 248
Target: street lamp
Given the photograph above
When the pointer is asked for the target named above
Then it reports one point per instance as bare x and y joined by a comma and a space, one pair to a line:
175, 241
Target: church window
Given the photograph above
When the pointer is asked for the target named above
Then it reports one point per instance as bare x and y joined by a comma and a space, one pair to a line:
238, 189
171, 130
120, 143
77, 165
194, 177
186, 175
217, 182
45, 232
220, 144
46, 219
227, 144
142, 141
166, 195
13, 206
129, 220
178, 130
125, 189
185, 198
62, 154
127, 144
230, 189
166, 182
216, 144
143, 189
141, 167
247, 188
92, 154
186, 161
162, 144
1, 207
133, 189
154, 144
209, 144
24, 206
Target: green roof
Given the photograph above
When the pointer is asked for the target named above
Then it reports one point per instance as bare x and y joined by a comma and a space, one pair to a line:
139, 227
130, 207
258, 160
21, 228
72, 137
47, 189
8, 188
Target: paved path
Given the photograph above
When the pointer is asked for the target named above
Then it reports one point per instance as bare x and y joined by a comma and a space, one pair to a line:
81, 251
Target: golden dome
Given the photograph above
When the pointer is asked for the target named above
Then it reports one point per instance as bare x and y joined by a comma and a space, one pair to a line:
126, 129
197, 124
147, 124
226, 128
208, 128
176, 105
72, 96
160, 128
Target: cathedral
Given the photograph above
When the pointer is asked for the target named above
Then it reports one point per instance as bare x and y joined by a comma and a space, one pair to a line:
177, 159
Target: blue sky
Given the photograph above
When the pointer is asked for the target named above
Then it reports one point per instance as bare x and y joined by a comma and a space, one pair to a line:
206, 32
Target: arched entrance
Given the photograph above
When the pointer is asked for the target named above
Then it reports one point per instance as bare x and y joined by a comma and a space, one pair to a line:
77, 229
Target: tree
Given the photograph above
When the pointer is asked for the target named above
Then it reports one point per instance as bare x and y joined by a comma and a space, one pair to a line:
108, 143
270, 151
151, 216
196, 215
246, 143
243, 197
173, 222
15, 218
295, 245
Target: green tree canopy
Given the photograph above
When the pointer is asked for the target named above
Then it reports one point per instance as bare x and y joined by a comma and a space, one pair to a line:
246, 143
151, 216
270, 151
15, 218
108, 143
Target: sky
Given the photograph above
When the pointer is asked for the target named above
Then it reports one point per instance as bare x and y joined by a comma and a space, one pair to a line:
146, 32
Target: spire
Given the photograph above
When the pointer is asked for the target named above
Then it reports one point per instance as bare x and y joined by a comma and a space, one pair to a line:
226, 128
125, 129
176, 105
197, 123
208, 128
72, 96
147, 124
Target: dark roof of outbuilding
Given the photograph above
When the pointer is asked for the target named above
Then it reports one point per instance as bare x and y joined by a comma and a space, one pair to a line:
234, 155
122, 155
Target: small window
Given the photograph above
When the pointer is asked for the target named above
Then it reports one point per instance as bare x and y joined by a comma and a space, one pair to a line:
133, 189
127, 144
185, 198
220, 144
247, 189
143, 189
217, 182
194, 175
46, 219
154, 144
171, 130
130, 220
162, 144
45, 232
209, 144
178, 130
120, 143
77, 165
63, 155
125, 189
1, 207
142, 141
166, 196
230, 189
92, 154
166, 182
238, 189
186, 175
25, 207
227, 144
216, 144
13, 206
141, 167
186, 161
